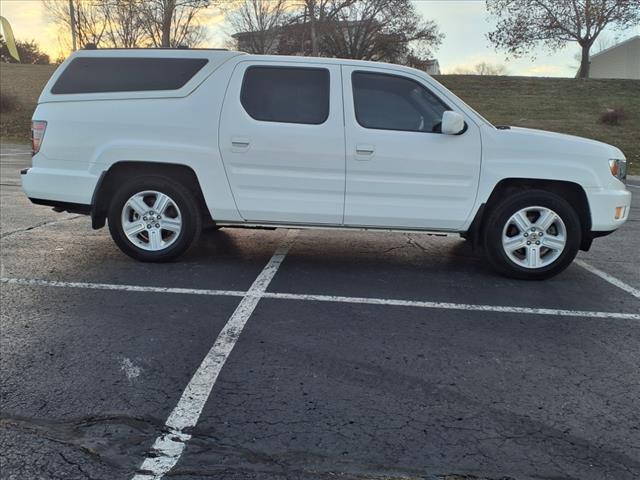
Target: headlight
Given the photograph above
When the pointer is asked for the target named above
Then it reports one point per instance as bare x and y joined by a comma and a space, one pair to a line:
618, 168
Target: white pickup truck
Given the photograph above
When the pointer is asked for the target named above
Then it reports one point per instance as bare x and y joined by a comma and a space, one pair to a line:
158, 142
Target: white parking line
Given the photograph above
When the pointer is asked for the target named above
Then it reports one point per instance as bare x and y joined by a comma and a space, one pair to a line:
113, 286
609, 278
169, 446
454, 306
332, 298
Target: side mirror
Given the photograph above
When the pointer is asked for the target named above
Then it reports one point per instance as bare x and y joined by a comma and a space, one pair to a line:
452, 123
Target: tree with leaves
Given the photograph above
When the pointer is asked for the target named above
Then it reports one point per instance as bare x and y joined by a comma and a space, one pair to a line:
524, 24
380, 30
385, 30
319, 13
29, 53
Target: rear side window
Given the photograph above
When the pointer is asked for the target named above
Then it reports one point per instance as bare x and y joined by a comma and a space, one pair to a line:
289, 95
101, 75
392, 102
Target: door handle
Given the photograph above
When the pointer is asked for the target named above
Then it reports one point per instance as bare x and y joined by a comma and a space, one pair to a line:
240, 143
365, 152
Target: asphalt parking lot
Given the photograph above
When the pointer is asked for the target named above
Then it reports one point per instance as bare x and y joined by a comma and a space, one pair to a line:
310, 355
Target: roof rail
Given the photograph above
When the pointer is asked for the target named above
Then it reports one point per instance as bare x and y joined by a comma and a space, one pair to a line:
93, 46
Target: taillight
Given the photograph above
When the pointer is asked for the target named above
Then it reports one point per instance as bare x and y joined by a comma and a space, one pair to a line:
38, 128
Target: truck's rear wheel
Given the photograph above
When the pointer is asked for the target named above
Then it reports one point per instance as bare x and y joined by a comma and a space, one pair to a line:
154, 218
532, 235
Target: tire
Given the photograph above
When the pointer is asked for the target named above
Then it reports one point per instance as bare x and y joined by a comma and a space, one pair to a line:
522, 238
161, 216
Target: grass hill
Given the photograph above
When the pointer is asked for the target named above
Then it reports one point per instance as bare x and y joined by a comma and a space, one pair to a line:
22, 85
558, 104
565, 105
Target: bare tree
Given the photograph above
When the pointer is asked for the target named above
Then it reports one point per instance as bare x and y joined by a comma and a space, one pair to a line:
387, 30
88, 18
482, 68
258, 23
523, 24
124, 25
173, 23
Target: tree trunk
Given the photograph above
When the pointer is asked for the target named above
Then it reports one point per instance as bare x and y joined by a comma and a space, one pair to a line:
72, 21
170, 6
585, 63
314, 37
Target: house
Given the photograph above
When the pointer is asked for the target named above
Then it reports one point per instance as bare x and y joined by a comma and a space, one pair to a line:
620, 61
431, 66
266, 42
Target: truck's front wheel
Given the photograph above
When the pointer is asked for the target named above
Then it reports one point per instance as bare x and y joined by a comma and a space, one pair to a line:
154, 218
532, 235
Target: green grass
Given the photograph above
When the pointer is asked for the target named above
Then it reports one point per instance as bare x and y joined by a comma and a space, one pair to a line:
563, 105
558, 104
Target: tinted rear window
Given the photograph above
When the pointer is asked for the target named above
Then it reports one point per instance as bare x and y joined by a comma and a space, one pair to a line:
100, 75
289, 95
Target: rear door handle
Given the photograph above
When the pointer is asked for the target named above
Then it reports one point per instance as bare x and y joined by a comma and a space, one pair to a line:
239, 144
365, 152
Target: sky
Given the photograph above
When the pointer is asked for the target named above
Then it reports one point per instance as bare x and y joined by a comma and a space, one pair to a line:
465, 24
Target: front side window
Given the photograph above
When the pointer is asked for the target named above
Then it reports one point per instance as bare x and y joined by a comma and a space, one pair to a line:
392, 102
284, 94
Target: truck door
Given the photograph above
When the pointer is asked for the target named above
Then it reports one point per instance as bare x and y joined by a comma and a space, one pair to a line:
281, 138
401, 171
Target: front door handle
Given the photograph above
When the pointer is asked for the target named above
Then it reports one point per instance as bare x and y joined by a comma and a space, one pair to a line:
365, 152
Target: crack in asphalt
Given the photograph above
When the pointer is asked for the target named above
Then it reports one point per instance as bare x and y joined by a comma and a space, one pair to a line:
83, 437
38, 225
75, 464
25, 423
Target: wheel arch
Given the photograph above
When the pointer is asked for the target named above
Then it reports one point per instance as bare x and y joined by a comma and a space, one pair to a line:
570, 191
117, 172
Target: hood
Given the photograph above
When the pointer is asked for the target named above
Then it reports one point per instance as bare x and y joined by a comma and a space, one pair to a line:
536, 143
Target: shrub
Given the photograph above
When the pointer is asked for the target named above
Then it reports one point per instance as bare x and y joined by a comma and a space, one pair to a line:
8, 103
613, 116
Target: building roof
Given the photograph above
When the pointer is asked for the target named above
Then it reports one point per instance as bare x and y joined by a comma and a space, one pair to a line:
617, 45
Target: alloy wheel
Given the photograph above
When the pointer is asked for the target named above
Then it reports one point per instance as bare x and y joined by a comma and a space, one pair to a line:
151, 220
534, 237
